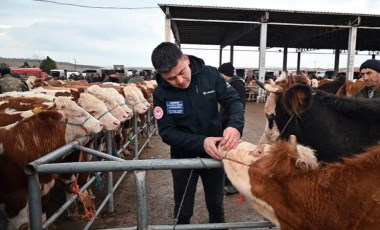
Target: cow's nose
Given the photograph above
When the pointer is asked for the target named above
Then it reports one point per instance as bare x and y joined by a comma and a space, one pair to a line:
116, 123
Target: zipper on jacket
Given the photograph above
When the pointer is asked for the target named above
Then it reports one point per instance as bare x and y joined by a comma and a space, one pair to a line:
196, 89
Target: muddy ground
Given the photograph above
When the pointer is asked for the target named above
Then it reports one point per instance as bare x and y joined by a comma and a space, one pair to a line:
160, 193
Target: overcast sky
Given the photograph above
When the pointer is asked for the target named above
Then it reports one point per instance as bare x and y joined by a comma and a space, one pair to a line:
104, 37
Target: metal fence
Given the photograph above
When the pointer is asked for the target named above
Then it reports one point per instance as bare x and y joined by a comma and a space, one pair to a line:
109, 165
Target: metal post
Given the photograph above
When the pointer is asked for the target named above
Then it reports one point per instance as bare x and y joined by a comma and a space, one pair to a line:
220, 55
136, 132
149, 127
35, 210
299, 61
141, 200
336, 64
351, 52
110, 174
285, 60
167, 26
263, 46
232, 55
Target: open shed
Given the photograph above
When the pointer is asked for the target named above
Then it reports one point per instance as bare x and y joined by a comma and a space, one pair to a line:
263, 28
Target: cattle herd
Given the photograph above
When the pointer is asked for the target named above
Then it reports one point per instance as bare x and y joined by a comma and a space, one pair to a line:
316, 166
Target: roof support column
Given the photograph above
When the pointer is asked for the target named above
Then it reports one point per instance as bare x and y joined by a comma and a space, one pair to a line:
263, 47
220, 55
351, 51
299, 61
285, 60
167, 26
336, 64
232, 55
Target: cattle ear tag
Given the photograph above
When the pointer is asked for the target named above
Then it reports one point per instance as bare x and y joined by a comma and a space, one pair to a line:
37, 110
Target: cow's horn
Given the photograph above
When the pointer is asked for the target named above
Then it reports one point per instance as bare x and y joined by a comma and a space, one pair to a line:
262, 85
272, 88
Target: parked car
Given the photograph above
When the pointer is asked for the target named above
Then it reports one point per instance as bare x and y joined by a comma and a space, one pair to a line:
320, 74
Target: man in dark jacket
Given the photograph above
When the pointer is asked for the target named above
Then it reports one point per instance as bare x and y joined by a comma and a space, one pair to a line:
370, 72
186, 108
227, 70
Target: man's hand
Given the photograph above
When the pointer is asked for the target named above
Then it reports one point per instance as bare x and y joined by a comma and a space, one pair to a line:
210, 147
231, 138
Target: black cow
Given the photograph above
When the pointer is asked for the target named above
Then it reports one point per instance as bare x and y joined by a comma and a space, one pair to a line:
271, 132
334, 126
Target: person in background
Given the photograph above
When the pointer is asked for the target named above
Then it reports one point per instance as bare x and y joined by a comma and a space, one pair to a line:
370, 72
186, 108
136, 78
8, 83
111, 77
228, 72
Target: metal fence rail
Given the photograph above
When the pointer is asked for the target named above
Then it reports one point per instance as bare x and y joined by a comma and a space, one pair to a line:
122, 165
110, 165
59, 153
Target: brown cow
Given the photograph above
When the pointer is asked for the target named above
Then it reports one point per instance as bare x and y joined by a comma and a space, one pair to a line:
351, 88
293, 192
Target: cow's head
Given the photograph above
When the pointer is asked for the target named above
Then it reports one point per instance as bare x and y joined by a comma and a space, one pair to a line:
113, 107
79, 122
271, 160
98, 110
236, 164
284, 158
135, 99
293, 95
120, 100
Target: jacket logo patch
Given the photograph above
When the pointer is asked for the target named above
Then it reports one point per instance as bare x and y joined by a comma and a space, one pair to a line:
158, 112
208, 92
174, 107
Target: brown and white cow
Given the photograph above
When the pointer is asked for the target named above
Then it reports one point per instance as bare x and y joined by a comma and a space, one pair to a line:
30, 139
17, 105
120, 100
135, 99
287, 186
351, 88
115, 109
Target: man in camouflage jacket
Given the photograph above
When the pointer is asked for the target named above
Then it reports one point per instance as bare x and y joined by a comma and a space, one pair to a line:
9, 83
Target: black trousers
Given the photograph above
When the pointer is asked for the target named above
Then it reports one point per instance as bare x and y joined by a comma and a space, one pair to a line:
213, 182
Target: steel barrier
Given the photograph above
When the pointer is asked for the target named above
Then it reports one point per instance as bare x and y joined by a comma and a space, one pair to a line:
112, 164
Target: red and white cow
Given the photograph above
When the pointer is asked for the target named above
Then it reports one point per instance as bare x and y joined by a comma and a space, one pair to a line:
115, 109
30, 139
135, 99
351, 88
120, 100
287, 186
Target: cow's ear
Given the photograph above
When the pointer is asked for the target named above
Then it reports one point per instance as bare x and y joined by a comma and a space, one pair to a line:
75, 94
297, 99
293, 140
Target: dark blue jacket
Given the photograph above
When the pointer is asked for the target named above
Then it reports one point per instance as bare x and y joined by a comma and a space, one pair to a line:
186, 129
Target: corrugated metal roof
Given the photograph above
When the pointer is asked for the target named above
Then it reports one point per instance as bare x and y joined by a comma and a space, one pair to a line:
214, 25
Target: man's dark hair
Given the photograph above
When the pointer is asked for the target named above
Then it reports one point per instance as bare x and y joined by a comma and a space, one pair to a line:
165, 56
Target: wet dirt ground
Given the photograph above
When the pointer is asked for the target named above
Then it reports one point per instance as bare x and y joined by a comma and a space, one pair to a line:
160, 192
